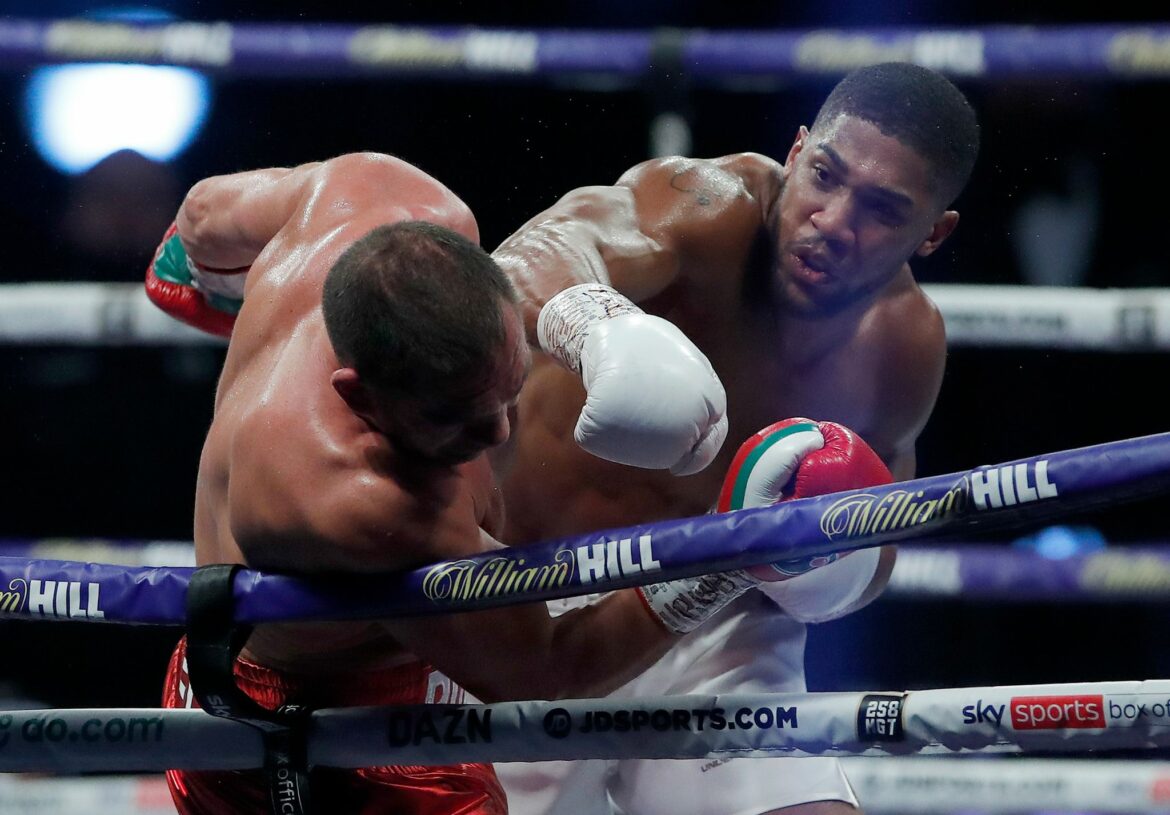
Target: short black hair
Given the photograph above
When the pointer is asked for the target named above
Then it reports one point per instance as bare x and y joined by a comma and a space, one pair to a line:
414, 305
917, 106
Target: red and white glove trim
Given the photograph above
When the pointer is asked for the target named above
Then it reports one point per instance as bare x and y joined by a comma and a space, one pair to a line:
207, 299
797, 458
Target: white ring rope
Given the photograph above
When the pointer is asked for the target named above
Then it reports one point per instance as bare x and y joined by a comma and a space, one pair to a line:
908, 786
1020, 316
1021, 718
89, 314
1055, 317
103, 550
913, 786
108, 795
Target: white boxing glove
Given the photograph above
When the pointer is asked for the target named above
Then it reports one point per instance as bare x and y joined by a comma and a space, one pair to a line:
653, 400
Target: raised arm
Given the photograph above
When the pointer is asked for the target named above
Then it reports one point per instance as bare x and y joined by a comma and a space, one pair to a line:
664, 218
581, 267
200, 272
225, 221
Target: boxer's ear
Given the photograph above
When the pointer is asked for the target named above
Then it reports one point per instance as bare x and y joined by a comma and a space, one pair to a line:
355, 394
794, 151
939, 232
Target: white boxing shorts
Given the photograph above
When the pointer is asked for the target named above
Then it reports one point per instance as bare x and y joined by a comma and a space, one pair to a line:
751, 647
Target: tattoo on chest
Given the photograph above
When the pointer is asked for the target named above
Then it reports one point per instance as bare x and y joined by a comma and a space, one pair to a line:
703, 195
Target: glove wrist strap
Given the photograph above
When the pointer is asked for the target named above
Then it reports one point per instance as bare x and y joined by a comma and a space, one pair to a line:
566, 319
684, 605
225, 283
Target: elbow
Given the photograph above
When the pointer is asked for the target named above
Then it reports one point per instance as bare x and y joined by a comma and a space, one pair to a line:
196, 216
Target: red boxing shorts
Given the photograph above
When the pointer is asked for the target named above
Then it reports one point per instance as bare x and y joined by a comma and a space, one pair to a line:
460, 789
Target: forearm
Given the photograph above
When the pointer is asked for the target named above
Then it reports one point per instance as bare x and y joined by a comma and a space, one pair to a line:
521, 652
589, 652
601, 647
592, 235
226, 221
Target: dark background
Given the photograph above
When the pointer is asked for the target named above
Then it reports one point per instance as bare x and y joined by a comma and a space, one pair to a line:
104, 443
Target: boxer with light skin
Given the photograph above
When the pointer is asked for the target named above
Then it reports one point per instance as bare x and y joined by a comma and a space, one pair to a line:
376, 357
697, 299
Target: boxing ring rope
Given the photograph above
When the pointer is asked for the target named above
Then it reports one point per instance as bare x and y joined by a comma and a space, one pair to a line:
1056, 717
1001, 573
1130, 715
103, 314
1111, 320
962, 569
1025, 489
1064, 318
915, 786
909, 786
1118, 52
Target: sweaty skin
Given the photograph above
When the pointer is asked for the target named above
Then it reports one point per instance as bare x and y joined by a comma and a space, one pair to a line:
792, 278
292, 479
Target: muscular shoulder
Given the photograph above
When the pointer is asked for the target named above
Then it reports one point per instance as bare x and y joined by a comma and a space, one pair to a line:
379, 520
370, 188
735, 179
360, 520
906, 334
910, 319
704, 205
332, 498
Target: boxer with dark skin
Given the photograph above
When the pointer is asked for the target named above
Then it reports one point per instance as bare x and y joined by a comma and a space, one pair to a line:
792, 278
331, 452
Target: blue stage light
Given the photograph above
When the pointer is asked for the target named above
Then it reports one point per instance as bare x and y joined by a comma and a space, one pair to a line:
79, 114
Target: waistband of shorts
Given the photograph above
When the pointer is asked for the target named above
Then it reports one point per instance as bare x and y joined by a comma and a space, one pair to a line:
411, 682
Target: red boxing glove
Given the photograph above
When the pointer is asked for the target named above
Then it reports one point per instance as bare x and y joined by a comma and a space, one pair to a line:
795, 458
799, 458
208, 299
846, 462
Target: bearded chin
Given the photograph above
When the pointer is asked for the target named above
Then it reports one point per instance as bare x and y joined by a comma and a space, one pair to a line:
793, 301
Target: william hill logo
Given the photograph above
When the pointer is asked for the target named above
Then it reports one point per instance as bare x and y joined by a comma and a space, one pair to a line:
864, 514
459, 580
12, 601
502, 576
52, 598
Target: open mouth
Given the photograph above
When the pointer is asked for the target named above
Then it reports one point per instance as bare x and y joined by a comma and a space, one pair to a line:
811, 268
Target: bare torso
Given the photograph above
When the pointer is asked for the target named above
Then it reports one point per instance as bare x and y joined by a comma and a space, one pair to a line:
772, 367
285, 459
